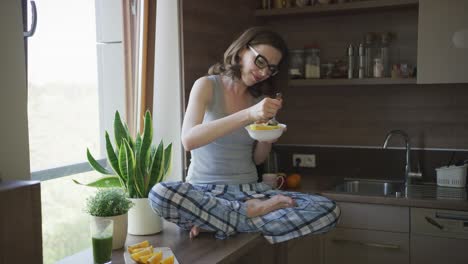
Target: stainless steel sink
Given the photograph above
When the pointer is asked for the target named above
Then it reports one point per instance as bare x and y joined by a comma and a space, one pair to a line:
371, 187
391, 188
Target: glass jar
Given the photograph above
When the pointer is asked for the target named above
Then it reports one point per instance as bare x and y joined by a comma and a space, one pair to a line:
312, 63
378, 68
296, 64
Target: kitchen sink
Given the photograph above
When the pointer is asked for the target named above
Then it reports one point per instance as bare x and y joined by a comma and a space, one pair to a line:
397, 189
371, 187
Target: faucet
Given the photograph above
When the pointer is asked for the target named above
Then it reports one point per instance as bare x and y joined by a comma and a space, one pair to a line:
408, 150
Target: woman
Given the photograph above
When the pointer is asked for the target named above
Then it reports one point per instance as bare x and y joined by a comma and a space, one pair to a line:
221, 194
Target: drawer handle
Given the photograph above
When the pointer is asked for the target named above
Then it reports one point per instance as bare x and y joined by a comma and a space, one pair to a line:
434, 222
367, 244
450, 216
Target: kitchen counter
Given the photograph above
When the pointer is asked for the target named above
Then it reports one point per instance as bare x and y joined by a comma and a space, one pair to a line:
429, 197
204, 249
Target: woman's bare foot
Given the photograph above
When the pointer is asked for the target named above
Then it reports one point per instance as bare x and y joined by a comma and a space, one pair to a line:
256, 207
195, 231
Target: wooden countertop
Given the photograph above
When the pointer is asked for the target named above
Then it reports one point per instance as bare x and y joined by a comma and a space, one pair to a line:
204, 249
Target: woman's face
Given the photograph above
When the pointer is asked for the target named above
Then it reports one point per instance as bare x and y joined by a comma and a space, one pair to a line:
258, 62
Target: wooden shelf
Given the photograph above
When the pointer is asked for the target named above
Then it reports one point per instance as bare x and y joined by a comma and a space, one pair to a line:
347, 7
366, 81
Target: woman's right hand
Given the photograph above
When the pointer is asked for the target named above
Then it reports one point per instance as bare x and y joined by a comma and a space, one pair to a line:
265, 109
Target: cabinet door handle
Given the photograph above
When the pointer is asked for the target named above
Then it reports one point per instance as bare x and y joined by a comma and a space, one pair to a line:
434, 222
367, 244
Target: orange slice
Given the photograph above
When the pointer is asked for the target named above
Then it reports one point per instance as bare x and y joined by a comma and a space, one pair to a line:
155, 258
131, 251
144, 259
146, 251
168, 260
138, 245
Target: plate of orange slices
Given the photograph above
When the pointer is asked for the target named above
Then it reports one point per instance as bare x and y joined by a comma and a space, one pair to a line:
145, 253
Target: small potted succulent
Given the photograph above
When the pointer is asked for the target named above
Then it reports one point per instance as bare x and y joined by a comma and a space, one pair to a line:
137, 165
111, 203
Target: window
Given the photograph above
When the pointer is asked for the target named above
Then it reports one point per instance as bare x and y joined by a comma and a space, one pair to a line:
63, 107
64, 119
78, 78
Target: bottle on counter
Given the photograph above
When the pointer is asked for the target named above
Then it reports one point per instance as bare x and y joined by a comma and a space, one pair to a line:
350, 61
312, 62
296, 64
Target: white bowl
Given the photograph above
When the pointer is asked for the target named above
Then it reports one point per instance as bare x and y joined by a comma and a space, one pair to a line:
266, 135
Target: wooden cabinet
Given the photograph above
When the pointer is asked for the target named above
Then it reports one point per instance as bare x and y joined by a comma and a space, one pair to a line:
368, 233
439, 60
436, 250
20, 222
306, 249
346, 245
438, 236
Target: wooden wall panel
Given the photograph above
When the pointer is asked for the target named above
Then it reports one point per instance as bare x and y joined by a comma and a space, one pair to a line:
208, 28
435, 116
367, 163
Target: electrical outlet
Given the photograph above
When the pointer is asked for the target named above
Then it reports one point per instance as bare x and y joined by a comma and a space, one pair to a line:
307, 160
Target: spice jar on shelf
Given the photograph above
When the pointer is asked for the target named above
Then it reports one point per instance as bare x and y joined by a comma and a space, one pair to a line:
296, 64
312, 62
378, 68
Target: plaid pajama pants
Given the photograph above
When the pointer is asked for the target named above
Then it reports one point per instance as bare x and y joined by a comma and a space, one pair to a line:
222, 210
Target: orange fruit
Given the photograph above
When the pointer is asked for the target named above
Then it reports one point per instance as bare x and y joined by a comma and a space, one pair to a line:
293, 180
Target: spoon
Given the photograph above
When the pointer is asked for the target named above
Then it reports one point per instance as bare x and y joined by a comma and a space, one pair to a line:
272, 121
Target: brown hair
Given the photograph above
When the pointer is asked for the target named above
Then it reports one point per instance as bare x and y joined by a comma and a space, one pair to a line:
254, 36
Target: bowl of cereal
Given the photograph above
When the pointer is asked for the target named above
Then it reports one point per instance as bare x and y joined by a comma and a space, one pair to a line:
265, 131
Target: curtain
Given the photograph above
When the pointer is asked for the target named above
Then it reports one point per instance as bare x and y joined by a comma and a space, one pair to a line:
139, 44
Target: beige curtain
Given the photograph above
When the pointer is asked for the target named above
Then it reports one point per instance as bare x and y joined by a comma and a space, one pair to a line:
139, 44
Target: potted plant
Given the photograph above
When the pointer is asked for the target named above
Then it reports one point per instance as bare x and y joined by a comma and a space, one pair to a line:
111, 203
137, 166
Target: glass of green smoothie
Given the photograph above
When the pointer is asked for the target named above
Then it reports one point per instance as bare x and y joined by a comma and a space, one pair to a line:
101, 235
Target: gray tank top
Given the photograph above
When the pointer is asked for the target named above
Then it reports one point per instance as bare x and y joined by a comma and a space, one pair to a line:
228, 159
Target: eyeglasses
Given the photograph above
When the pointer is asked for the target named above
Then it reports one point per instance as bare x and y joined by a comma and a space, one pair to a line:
261, 62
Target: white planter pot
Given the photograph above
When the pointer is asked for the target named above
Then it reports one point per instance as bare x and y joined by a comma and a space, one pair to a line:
142, 220
120, 230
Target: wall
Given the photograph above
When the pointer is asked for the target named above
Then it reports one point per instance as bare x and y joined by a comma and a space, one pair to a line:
14, 150
208, 29
435, 116
343, 116
368, 163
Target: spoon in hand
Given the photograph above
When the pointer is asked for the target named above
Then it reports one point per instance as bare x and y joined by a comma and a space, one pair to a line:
272, 121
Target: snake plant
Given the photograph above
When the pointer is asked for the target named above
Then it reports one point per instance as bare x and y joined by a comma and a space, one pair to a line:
137, 165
